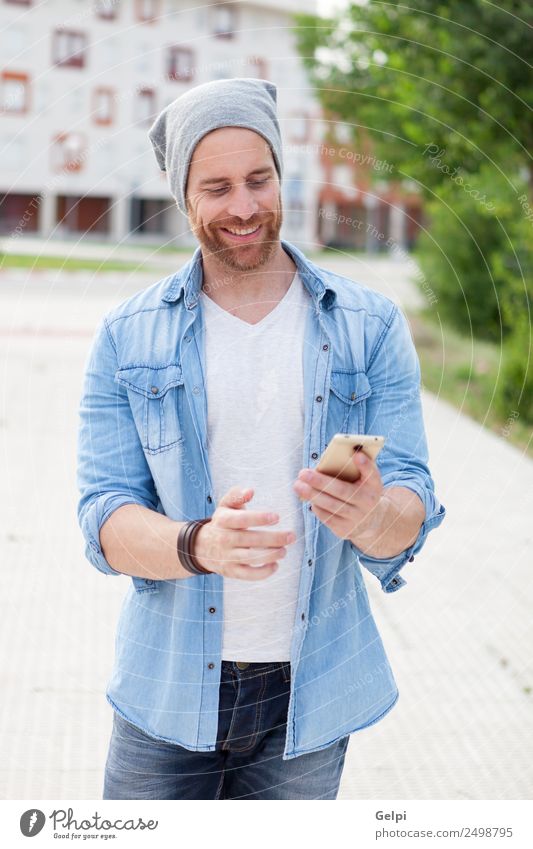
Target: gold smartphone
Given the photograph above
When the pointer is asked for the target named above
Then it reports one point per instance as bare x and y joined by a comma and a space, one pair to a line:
337, 458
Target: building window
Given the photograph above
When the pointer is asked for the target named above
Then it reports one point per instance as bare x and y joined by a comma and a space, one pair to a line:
68, 152
298, 126
180, 64
69, 48
107, 9
86, 214
224, 20
147, 10
145, 106
256, 67
14, 93
19, 212
149, 215
103, 107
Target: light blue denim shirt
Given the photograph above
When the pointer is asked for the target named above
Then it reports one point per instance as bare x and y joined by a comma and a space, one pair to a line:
143, 440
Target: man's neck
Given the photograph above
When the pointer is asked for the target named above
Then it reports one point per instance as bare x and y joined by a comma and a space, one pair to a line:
250, 295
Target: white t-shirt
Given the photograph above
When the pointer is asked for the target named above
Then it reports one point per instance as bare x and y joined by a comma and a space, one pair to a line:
255, 424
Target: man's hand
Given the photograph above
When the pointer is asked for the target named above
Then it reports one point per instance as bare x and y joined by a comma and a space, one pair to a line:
380, 522
226, 544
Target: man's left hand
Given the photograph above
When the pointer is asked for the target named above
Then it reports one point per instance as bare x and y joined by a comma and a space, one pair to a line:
350, 510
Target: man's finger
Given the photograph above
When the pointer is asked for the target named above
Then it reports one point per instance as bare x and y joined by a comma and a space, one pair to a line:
241, 519
236, 497
257, 556
251, 573
327, 483
369, 471
331, 503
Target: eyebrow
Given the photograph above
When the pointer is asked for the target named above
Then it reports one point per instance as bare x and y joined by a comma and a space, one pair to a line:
265, 170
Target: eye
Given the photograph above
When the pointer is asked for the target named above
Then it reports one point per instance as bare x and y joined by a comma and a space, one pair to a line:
222, 189
217, 191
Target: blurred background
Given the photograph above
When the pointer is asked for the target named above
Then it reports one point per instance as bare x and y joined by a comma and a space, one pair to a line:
408, 137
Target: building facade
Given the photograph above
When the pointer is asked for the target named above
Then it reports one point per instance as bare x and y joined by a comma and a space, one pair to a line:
81, 83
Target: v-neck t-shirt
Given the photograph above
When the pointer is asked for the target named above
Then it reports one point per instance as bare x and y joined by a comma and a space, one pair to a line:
255, 427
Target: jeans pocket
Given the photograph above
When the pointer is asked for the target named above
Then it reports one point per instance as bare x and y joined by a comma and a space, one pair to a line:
286, 672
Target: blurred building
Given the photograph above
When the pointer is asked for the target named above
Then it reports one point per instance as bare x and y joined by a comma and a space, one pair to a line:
361, 205
81, 82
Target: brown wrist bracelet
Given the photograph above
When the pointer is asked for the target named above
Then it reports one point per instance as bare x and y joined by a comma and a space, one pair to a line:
184, 546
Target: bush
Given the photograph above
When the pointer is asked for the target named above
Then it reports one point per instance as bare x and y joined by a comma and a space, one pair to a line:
514, 389
466, 255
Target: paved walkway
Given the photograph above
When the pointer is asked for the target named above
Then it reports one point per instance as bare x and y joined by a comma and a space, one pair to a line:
458, 635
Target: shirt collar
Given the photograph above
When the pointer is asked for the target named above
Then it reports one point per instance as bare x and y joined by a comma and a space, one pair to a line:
189, 279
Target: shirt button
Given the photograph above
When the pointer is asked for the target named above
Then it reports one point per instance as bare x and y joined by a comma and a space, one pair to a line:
154, 390
212, 610
303, 616
210, 500
309, 562
314, 455
325, 347
210, 665
196, 390
319, 398
411, 558
353, 396
149, 582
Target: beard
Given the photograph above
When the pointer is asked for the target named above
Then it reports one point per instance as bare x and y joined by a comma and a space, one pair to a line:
245, 257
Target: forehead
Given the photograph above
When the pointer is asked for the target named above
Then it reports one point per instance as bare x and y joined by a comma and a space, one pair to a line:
229, 149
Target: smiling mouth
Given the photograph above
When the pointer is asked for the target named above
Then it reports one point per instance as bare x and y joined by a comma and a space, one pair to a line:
241, 234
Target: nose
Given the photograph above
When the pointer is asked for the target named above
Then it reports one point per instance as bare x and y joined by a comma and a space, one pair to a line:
243, 204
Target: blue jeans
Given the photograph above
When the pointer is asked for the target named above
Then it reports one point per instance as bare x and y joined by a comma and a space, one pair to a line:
247, 762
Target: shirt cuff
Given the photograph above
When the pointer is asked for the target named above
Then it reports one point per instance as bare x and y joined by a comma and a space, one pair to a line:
387, 569
99, 512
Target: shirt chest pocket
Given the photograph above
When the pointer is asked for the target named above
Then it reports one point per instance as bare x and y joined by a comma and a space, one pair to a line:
349, 391
156, 396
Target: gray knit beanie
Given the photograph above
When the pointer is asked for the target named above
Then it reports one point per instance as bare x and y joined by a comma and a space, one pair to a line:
241, 102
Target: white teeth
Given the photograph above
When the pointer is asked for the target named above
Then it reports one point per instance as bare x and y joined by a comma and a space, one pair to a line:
242, 232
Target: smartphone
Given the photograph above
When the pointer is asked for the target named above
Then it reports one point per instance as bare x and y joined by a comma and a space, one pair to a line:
337, 458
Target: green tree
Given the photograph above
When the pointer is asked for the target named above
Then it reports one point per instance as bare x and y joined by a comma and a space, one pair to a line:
448, 73
443, 90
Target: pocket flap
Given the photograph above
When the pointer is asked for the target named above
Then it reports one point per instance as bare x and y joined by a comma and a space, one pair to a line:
151, 381
350, 386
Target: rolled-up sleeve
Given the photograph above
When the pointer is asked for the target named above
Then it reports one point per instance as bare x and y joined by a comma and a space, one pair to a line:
111, 466
394, 410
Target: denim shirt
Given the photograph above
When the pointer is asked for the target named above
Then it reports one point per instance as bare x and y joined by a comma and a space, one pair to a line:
143, 440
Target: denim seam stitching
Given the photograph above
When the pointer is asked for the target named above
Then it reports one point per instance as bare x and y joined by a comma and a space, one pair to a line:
388, 324
258, 715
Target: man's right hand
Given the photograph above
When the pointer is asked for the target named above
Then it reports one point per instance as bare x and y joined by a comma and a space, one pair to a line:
227, 546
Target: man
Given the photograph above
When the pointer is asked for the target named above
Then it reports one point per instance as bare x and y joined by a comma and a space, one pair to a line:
246, 651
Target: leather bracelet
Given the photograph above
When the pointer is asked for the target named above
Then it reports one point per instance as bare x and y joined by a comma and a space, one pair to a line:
184, 546
194, 531
183, 549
